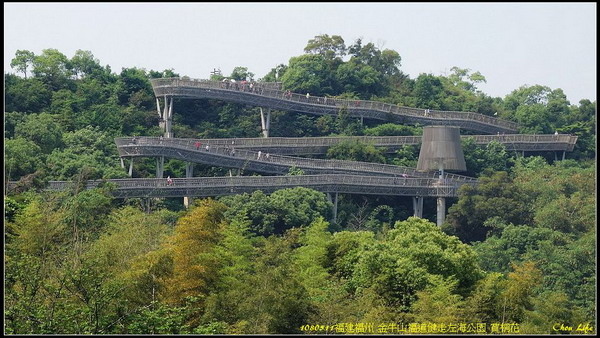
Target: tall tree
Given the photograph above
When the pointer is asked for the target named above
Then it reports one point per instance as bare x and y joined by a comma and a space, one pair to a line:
23, 59
84, 63
196, 233
330, 47
53, 68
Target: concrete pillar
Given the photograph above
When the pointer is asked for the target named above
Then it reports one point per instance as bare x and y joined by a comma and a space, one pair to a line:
334, 200
130, 172
161, 119
189, 173
265, 121
160, 166
563, 157
158, 106
122, 163
418, 206
441, 210
168, 118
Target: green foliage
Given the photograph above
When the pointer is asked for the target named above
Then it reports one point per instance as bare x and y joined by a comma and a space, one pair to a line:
355, 150
83, 63
428, 91
407, 260
282, 210
494, 196
195, 234
392, 129
438, 303
359, 78
134, 89
497, 252
308, 74
41, 129
88, 147
22, 157
22, 60
311, 257
26, 95
293, 171
242, 74
329, 46
407, 156
129, 233
77, 262
492, 156
53, 68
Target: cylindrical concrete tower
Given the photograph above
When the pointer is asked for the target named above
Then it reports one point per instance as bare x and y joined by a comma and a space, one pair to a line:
441, 149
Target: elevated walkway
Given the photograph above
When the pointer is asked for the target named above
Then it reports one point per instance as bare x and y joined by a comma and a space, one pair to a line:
320, 145
270, 96
232, 157
217, 186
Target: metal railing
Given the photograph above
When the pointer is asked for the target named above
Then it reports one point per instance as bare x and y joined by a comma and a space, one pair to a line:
280, 99
319, 145
213, 186
226, 156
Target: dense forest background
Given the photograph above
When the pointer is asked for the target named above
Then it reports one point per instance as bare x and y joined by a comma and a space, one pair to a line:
518, 248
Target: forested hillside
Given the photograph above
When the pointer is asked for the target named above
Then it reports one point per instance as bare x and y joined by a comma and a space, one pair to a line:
517, 253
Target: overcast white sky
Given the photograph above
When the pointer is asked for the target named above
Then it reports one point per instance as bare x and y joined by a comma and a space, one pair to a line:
511, 44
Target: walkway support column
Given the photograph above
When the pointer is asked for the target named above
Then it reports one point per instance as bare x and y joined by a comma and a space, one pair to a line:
265, 121
418, 206
146, 203
189, 173
160, 166
166, 116
441, 149
130, 172
333, 200
441, 210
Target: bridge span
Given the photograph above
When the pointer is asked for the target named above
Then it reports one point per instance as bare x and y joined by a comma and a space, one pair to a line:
271, 96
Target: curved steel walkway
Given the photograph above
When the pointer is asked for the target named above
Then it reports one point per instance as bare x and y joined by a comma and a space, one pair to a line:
269, 95
263, 162
320, 145
217, 186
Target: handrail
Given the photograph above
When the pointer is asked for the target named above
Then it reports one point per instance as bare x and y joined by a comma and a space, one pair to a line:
516, 141
172, 147
227, 185
166, 86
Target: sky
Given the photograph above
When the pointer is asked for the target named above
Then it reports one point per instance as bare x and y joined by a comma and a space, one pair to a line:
511, 44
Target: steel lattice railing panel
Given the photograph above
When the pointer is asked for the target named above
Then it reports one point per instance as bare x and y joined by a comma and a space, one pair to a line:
215, 186
266, 96
248, 160
320, 145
